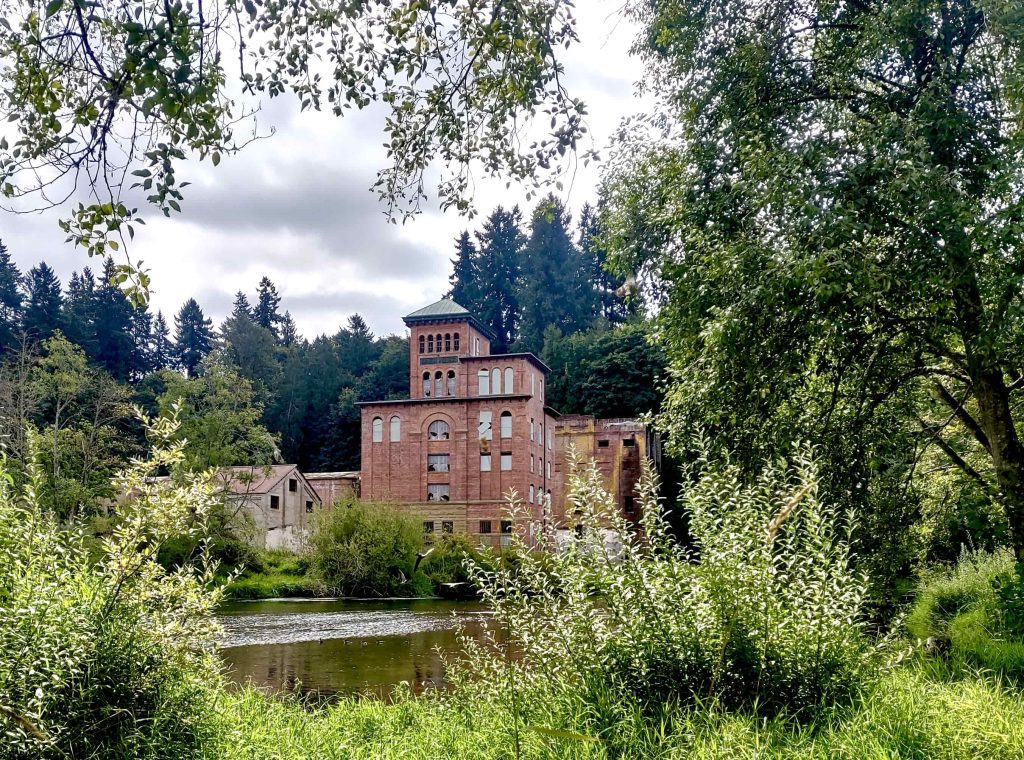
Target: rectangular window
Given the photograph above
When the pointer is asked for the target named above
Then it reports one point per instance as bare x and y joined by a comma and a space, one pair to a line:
629, 442
506, 461
485, 463
483, 383
550, 436
275, 501
628, 504
603, 444
447, 526
437, 492
309, 507
506, 425
484, 428
531, 463
293, 485
485, 526
531, 428
531, 493
428, 526
437, 462
506, 526
547, 468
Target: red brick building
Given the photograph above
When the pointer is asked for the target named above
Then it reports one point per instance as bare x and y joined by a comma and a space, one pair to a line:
474, 428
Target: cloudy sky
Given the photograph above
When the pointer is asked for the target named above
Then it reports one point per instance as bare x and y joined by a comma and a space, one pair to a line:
297, 207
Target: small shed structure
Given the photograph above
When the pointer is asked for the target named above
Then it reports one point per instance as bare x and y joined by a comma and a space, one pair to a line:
279, 498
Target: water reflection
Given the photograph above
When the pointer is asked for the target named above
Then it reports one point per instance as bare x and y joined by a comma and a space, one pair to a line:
344, 647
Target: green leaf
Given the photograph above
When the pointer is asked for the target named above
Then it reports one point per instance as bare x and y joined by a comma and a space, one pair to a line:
53, 6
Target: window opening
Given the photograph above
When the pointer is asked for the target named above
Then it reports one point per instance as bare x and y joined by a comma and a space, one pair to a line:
378, 429
485, 463
447, 526
437, 492
628, 442
496, 381
293, 485
451, 382
309, 507
438, 431
423, 344
428, 526
447, 342
506, 424
430, 344
508, 379
437, 462
602, 444
506, 460
531, 493
506, 526
455, 342
426, 384
396, 429
484, 429
485, 526
275, 501
483, 382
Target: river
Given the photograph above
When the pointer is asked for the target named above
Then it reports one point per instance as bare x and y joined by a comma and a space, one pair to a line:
326, 648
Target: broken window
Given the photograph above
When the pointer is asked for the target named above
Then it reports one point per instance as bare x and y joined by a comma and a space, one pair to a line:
428, 526
437, 463
484, 429
506, 526
448, 526
438, 431
309, 507
437, 492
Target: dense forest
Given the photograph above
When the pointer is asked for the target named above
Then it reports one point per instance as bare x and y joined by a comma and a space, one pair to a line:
253, 391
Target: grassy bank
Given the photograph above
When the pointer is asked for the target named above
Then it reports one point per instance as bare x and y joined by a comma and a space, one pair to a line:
915, 712
275, 574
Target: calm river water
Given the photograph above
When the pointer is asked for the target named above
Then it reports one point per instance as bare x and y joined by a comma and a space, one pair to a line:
328, 647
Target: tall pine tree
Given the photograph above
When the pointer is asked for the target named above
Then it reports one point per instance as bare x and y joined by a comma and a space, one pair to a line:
500, 249
289, 331
114, 342
598, 286
161, 352
241, 306
268, 300
78, 317
142, 342
43, 308
11, 306
464, 280
193, 336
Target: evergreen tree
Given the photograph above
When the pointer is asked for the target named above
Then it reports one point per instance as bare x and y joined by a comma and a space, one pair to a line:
193, 336
142, 341
500, 248
289, 331
241, 306
268, 300
43, 310
356, 346
113, 325
78, 317
11, 306
599, 287
549, 293
161, 353
464, 279
252, 350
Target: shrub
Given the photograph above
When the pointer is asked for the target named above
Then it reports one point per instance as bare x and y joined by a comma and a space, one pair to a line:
106, 656
977, 607
769, 614
361, 549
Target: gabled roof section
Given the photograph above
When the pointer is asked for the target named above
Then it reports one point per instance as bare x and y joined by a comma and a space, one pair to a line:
444, 310
257, 480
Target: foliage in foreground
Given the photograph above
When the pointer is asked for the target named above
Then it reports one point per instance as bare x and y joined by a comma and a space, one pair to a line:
108, 655
976, 609
770, 614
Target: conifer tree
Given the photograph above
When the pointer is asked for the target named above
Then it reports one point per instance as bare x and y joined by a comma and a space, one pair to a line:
193, 336
464, 279
161, 351
289, 331
599, 286
241, 306
113, 337
11, 304
78, 317
142, 342
268, 300
500, 248
43, 308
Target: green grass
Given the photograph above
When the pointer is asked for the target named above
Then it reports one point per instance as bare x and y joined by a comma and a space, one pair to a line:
274, 574
912, 713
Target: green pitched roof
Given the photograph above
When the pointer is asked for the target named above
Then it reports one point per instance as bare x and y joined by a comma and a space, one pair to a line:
443, 308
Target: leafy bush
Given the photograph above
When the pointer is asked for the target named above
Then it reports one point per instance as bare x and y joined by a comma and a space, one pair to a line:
768, 614
361, 549
977, 607
108, 656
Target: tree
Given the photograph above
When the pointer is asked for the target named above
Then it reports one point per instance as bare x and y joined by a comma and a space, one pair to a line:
120, 92
599, 286
193, 338
252, 350
241, 307
11, 305
142, 362
43, 307
550, 281
81, 310
464, 279
837, 231
289, 331
162, 350
220, 417
500, 248
114, 343
268, 300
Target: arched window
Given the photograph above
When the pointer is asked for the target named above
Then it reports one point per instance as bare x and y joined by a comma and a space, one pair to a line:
496, 381
531, 493
483, 381
438, 431
439, 343
423, 343
451, 382
430, 344
438, 385
378, 430
447, 342
426, 384
508, 380
506, 424
396, 429
455, 342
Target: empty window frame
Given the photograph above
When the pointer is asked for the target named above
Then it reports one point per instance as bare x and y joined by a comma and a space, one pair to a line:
275, 501
628, 442
428, 526
378, 429
447, 342
451, 382
437, 492
448, 526
423, 344
506, 461
485, 463
439, 343
396, 428
438, 385
438, 463
506, 526
426, 384
430, 344
483, 383
293, 485
506, 424
438, 431
602, 444
509, 374
309, 507
484, 428
455, 342
496, 381
485, 526
531, 428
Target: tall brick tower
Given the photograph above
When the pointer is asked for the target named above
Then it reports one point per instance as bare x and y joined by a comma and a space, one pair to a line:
474, 429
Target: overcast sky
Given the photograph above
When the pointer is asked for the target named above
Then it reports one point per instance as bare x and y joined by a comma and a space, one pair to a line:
297, 207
